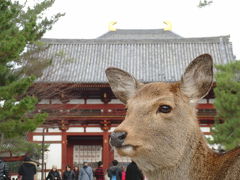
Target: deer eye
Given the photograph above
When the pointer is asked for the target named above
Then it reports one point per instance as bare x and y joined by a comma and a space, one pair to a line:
164, 109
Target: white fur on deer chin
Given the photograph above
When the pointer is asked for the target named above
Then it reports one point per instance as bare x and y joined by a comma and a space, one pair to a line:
126, 150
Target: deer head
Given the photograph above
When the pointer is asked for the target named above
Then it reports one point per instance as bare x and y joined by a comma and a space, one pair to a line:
161, 118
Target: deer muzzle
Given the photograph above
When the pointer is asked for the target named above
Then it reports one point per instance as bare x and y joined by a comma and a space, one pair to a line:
117, 138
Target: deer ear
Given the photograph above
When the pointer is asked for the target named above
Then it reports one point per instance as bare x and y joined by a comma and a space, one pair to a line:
122, 83
198, 77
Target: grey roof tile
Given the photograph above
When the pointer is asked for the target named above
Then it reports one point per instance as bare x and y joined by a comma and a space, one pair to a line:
85, 61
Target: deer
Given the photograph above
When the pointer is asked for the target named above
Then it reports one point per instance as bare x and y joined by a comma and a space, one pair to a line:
161, 131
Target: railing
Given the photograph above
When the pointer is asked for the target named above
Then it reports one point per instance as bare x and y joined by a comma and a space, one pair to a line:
82, 109
206, 112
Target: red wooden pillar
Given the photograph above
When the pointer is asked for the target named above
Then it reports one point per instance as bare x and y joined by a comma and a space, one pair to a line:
106, 150
63, 127
70, 154
30, 136
64, 150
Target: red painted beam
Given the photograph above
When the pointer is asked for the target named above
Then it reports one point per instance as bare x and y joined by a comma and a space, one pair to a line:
80, 106
12, 159
210, 118
79, 118
70, 133
205, 125
100, 106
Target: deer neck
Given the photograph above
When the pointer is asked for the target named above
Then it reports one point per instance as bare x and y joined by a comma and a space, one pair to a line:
191, 166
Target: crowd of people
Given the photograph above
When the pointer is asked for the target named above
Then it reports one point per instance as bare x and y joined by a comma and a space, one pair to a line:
115, 172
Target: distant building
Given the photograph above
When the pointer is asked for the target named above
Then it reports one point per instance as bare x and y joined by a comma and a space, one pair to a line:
82, 108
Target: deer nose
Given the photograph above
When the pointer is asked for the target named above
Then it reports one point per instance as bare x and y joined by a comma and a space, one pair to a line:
117, 138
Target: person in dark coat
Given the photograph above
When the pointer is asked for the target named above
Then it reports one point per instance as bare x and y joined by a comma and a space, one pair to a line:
53, 174
28, 169
133, 172
68, 174
99, 173
115, 172
3, 170
75, 173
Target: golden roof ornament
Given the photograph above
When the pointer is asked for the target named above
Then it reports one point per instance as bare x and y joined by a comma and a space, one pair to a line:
111, 26
168, 26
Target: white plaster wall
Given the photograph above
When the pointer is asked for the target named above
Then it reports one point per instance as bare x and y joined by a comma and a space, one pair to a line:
94, 101
44, 101
112, 129
56, 101
115, 101
48, 138
202, 101
93, 129
76, 101
205, 129
37, 138
38, 130
54, 130
75, 129
211, 101
54, 156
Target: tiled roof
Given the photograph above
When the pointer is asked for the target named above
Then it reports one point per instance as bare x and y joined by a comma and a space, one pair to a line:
85, 61
140, 34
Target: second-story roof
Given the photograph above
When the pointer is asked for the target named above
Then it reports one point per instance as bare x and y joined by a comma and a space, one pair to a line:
85, 61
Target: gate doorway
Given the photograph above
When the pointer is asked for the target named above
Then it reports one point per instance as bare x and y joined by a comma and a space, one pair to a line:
87, 153
84, 149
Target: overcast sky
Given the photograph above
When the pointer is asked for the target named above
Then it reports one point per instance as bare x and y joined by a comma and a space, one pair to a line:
86, 19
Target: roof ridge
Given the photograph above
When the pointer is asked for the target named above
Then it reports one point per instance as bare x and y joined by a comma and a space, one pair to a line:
139, 34
132, 41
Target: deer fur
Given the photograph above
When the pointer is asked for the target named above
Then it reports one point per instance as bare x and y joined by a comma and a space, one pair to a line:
170, 146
